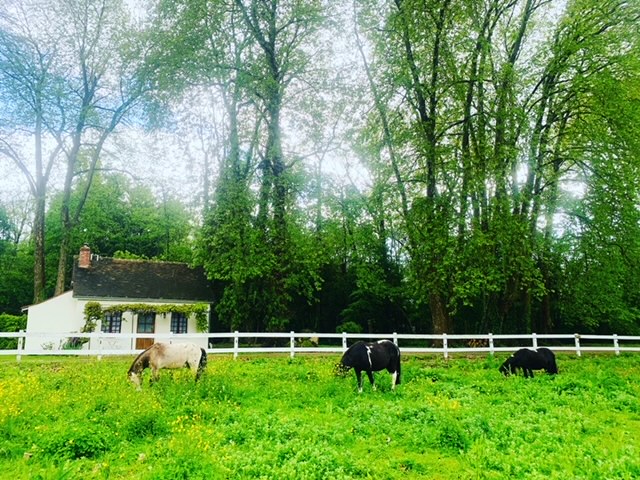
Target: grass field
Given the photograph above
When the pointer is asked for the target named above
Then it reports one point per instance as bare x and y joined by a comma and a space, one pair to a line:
272, 417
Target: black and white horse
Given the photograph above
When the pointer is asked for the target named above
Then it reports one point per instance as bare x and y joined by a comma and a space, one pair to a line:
168, 355
372, 357
530, 360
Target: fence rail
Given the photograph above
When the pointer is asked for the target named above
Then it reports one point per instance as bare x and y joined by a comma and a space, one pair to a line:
100, 344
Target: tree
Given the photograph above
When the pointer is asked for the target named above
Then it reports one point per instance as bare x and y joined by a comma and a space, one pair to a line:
124, 218
602, 259
16, 266
477, 134
280, 30
256, 64
71, 68
29, 82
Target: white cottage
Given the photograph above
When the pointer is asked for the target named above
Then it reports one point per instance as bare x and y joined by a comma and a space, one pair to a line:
117, 282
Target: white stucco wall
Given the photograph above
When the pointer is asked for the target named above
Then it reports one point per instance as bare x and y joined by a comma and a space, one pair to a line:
59, 314
65, 314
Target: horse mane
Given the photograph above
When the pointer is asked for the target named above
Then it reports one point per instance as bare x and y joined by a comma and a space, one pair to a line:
140, 363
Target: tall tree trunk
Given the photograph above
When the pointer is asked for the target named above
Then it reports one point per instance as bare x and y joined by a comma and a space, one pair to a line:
39, 274
39, 194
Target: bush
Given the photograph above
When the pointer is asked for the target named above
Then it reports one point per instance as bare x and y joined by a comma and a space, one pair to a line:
452, 436
11, 323
145, 424
76, 442
349, 327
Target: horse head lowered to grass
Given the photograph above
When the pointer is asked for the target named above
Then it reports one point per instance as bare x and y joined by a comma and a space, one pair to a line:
372, 357
530, 360
168, 355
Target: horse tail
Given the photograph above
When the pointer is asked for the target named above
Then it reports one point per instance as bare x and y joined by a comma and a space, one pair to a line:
202, 363
203, 358
553, 366
398, 365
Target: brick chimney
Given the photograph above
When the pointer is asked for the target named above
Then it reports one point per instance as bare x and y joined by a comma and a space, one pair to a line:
84, 259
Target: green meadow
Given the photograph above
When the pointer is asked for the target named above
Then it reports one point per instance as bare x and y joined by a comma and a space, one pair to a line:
273, 417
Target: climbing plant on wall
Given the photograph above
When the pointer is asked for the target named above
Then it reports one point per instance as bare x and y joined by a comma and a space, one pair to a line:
93, 311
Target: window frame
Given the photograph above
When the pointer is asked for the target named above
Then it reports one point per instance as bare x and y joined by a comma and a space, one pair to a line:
110, 321
147, 320
179, 322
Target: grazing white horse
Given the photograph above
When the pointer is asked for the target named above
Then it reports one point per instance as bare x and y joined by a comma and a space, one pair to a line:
168, 355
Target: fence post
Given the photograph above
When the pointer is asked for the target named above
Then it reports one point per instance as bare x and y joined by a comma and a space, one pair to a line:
534, 339
616, 344
445, 346
20, 347
344, 341
395, 338
99, 345
292, 343
491, 350
577, 337
236, 342
95, 340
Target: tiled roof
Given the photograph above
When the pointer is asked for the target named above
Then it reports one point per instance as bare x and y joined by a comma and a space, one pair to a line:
140, 279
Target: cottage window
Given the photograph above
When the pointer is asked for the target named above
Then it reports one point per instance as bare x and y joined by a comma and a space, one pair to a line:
146, 322
178, 322
112, 322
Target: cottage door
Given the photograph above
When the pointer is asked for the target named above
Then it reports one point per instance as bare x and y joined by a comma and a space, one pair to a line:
146, 324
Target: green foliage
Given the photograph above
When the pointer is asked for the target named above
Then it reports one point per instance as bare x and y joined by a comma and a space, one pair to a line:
255, 417
145, 423
232, 255
349, 327
6, 229
11, 323
16, 277
125, 220
602, 264
74, 442
126, 255
486, 140
92, 313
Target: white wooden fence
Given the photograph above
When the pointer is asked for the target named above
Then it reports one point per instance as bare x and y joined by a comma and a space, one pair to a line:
100, 344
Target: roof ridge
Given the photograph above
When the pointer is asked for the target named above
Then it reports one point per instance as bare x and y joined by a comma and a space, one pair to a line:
144, 260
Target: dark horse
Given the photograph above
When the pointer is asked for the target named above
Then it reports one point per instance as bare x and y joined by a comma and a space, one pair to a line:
530, 360
168, 355
372, 357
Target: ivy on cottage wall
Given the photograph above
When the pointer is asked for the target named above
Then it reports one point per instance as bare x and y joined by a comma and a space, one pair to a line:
93, 311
